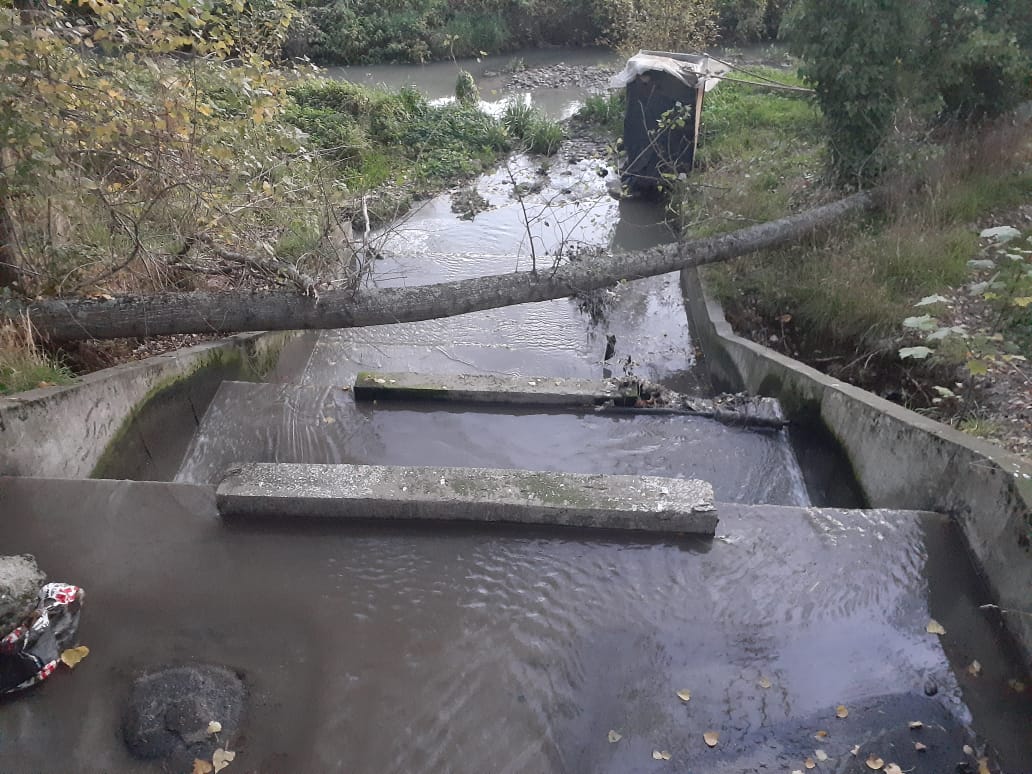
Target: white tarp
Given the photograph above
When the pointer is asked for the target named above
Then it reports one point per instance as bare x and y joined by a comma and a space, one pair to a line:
690, 69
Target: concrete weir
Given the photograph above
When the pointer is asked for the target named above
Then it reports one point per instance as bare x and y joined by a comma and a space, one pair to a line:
646, 503
618, 394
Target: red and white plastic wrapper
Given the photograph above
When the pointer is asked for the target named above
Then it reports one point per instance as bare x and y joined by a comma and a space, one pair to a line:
31, 653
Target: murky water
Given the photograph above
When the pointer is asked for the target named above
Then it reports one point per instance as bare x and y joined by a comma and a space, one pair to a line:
441, 649
437, 79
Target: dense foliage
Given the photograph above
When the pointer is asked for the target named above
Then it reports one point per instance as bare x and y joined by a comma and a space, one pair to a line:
353, 31
951, 59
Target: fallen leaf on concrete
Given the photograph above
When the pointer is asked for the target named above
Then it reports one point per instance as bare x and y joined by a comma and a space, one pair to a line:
73, 656
855, 750
920, 747
873, 762
821, 735
221, 758
892, 768
329, 420
1016, 685
201, 767
974, 668
214, 727
765, 682
913, 725
983, 766
47, 384
968, 750
684, 694
821, 755
660, 755
614, 737
841, 711
711, 738
934, 627
810, 763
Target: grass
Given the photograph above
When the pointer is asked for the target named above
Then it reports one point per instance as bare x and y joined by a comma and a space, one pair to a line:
845, 292
381, 136
23, 366
605, 111
537, 133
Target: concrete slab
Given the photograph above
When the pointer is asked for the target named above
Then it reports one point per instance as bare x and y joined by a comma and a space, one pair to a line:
645, 503
504, 389
614, 393
402, 647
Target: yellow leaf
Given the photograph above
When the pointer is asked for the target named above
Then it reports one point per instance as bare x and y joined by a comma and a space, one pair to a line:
983, 766
841, 711
711, 738
204, 109
821, 735
214, 727
934, 627
660, 755
810, 763
1022, 301
684, 694
873, 762
201, 767
614, 737
974, 668
221, 758
765, 682
892, 768
1016, 685
73, 656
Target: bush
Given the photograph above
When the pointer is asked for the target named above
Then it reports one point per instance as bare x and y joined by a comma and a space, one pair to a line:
544, 136
606, 111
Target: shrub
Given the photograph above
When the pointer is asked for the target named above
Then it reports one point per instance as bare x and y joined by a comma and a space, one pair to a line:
544, 136
466, 91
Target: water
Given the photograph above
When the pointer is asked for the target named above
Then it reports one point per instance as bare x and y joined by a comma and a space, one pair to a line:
436, 80
441, 649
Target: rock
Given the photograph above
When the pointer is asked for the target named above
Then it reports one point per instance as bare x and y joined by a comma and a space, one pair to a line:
20, 582
169, 711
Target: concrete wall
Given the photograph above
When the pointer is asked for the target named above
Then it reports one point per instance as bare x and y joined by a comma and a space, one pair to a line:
901, 459
64, 431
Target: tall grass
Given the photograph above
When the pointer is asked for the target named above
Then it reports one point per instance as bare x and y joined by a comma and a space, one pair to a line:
23, 365
847, 290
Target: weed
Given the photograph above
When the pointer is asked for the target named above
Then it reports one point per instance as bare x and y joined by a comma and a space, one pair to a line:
605, 111
23, 365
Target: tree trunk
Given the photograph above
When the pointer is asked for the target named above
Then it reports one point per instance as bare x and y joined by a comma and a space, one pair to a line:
201, 312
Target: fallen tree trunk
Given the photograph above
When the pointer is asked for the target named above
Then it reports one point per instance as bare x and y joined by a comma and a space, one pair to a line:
201, 312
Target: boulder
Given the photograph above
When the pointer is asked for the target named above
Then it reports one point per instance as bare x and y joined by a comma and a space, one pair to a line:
169, 713
20, 582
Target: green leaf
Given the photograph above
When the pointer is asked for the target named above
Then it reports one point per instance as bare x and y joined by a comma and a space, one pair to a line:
977, 367
917, 353
923, 323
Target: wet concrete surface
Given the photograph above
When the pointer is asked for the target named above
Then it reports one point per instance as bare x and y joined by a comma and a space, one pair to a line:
283, 423
416, 650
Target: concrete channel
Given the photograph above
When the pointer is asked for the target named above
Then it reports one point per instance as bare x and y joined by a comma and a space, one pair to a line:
407, 646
